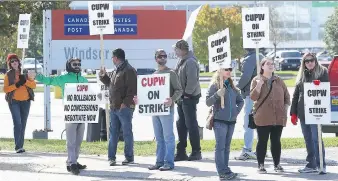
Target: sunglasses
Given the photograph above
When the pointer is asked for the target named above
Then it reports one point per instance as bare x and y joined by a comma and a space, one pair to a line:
14, 60
76, 64
228, 69
309, 60
162, 56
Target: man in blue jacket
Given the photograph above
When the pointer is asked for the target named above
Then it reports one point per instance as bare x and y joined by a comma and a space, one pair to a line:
249, 71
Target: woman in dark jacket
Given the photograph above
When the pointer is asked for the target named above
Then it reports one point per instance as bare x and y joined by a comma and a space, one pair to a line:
310, 70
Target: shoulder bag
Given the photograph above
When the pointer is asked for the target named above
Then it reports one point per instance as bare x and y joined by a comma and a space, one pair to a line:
252, 123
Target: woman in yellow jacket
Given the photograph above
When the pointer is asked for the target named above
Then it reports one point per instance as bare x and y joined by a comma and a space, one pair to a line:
19, 93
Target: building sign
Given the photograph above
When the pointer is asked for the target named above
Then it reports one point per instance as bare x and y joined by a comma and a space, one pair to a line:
78, 24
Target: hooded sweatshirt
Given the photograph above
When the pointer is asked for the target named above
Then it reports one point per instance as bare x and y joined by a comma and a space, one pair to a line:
60, 81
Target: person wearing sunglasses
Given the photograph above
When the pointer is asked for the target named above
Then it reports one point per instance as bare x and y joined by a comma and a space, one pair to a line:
224, 119
74, 131
164, 125
309, 70
19, 93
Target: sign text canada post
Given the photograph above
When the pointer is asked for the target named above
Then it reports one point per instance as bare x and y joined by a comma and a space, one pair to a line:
152, 91
81, 103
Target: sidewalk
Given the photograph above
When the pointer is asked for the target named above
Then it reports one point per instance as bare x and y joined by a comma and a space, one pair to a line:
51, 167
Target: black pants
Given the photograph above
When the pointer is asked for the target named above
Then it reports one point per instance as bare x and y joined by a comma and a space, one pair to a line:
275, 133
187, 122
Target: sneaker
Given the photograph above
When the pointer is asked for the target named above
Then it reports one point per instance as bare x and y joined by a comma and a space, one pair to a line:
127, 162
279, 168
165, 168
307, 170
112, 162
181, 157
154, 167
68, 168
228, 176
74, 169
323, 172
246, 156
261, 169
195, 156
20, 150
81, 167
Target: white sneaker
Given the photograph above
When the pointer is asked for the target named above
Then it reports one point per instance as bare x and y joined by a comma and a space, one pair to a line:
246, 156
307, 170
322, 172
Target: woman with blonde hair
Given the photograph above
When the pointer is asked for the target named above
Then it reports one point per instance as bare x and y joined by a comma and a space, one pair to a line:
271, 102
310, 70
224, 118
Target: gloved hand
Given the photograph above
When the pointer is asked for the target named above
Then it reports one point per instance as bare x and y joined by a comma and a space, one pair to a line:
221, 92
294, 119
21, 82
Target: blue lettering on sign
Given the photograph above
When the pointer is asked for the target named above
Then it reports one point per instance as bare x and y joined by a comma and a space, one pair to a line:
78, 24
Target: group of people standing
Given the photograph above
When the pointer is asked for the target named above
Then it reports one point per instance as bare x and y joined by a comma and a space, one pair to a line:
264, 97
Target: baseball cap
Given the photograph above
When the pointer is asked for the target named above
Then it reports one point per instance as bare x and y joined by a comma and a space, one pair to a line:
181, 44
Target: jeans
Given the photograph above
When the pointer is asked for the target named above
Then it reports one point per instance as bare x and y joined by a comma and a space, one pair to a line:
275, 133
187, 122
248, 132
223, 135
20, 112
122, 118
74, 133
165, 139
310, 133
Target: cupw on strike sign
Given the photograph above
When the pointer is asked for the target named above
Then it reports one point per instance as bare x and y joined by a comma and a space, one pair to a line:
152, 91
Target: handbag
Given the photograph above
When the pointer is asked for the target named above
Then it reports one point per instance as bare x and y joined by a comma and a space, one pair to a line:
252, 124
210, 120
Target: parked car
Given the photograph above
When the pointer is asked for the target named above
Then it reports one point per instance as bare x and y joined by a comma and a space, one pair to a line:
288, 60
333, 75
29, 65
324, 58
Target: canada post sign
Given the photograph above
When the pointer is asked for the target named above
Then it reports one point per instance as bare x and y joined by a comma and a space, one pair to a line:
77, 24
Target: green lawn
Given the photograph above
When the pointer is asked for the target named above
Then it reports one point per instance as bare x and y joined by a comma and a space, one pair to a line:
144, 148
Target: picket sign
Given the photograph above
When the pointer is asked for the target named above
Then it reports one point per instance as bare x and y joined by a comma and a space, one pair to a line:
103, 88
152, 91
255, 25
23, 35
219, 54
81, 103
101, 21
317, 108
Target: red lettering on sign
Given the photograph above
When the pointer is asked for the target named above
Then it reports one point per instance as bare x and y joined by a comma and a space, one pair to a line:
82, 88
153, 81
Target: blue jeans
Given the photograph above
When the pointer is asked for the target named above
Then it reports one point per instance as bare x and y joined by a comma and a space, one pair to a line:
223, 134
310, 133
165, 139
248, 132
117, 119
20, 112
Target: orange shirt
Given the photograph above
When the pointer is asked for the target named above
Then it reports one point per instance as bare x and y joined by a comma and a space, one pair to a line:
21, 93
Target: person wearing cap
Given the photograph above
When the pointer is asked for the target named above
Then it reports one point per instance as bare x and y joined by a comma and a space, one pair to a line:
224, 119
249, 71
19, 93
187, 70
164, 124
74, 131
122, 89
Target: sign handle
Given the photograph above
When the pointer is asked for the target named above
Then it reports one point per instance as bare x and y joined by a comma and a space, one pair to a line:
107, 103
320, 145
220, 86
257, 58
23, 57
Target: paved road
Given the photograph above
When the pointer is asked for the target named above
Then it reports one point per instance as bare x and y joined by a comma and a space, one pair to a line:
51, 167
142, 125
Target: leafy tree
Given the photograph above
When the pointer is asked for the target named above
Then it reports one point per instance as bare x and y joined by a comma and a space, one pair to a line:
8, 46
210, 21
331, 33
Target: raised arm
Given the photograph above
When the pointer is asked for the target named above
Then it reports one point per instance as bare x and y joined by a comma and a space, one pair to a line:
55, 81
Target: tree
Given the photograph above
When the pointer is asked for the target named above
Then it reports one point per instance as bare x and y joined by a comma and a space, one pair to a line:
211, 20
331, 33
9, 46
276, 34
